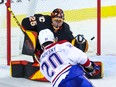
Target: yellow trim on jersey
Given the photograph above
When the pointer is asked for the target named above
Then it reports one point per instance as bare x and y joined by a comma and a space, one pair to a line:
32, 37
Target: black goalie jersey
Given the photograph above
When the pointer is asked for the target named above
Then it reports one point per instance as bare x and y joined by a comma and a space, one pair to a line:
39, 22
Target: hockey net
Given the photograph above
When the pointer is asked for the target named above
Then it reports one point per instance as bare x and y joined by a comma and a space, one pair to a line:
82, 16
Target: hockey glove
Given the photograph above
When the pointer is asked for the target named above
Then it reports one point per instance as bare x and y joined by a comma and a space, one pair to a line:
80, 39
92, 70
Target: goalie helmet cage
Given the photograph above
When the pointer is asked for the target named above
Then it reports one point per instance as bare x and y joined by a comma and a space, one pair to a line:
98, 52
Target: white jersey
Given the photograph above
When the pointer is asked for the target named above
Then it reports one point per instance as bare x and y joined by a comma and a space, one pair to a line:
57, 59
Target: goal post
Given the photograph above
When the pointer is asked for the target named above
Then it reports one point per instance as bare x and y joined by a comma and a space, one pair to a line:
8, 22
98, 27
77, 16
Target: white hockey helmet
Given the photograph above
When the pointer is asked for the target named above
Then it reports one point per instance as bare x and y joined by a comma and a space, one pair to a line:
45, 36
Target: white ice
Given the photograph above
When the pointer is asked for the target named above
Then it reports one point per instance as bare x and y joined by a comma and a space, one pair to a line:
109, 79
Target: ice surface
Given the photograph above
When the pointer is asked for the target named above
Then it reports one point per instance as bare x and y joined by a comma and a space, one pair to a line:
108, 80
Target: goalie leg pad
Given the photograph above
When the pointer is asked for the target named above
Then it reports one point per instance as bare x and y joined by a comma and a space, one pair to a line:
28, 70
17, 68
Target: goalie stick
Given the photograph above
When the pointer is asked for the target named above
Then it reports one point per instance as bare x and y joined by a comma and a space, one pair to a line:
20, 26
9, 9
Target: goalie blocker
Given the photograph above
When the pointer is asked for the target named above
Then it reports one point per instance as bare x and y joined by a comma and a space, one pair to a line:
29, 70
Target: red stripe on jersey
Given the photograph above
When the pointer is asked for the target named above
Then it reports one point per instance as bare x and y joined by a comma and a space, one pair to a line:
61, 72
87, 63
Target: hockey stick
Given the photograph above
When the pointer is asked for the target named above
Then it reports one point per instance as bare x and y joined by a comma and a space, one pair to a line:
21, 27
9, 9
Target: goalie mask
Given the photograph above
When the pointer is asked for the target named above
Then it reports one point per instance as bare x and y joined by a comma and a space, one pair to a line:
57, 13
45, 36
57, 18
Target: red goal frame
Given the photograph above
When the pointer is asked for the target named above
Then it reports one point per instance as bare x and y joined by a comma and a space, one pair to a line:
8, 22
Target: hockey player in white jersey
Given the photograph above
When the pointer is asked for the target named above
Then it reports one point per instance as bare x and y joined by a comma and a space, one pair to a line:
62, 63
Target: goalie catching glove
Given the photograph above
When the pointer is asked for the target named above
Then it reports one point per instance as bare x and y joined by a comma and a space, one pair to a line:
92, 70
80, 39
80, 42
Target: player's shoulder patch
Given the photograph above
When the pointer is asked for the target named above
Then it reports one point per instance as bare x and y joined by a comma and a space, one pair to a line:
40, 17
